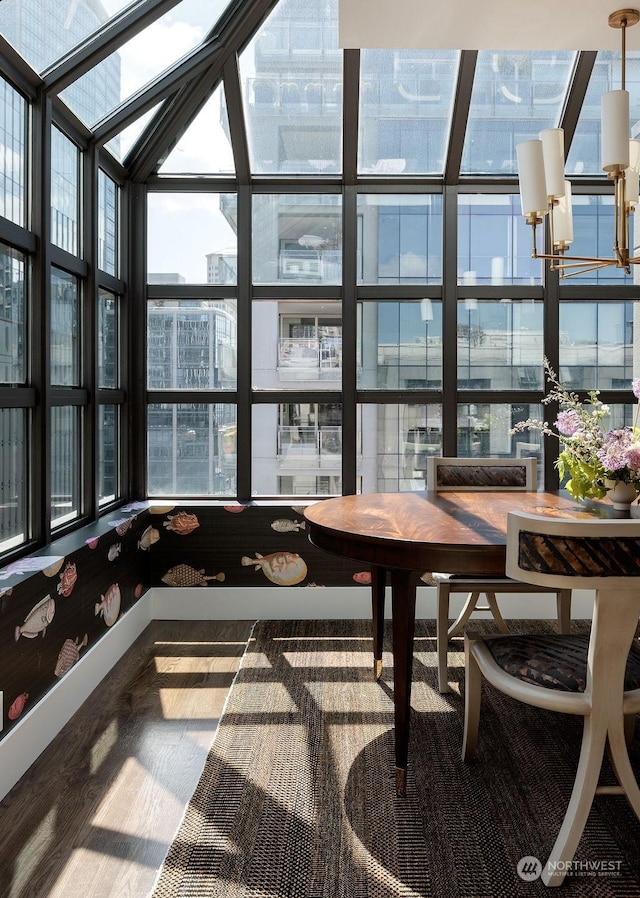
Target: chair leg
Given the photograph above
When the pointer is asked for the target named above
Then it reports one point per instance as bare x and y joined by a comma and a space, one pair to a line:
584, 789
465, 614
495, 611
621, 764
563, 607
442, 648
472, 698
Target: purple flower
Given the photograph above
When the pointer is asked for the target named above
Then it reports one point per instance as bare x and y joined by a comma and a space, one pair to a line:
635, 386
619, 450
568, 422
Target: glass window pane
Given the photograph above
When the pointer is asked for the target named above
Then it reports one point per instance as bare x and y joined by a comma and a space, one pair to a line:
122, 142
65, 464
584, 153
12, 316
292, 87
593, 235
494, 242
484, 431
191, 238
297, 239
297, 345
140, 60
65, 320
500, 344
191, 449
108, 441
43, 32
515, 96
191, 345
108, 194
406, 99
13, 130
65, 192
400, 345
399, 239
14, 481
596, 344
299, 449
108, 373
396, 441
205, 147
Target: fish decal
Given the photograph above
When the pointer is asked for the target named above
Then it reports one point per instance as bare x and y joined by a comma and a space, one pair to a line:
114, 551
185, 575
136, 505
363, 577
299, 509
182, 523
93, 541
282, 568
7, 591
284, 525
109, 605
68, 655
138, 590
160, 509
17, 706
29, 565
315, 585
52, 569
234, 509
38, 619
148, 538
121, 525
67, 579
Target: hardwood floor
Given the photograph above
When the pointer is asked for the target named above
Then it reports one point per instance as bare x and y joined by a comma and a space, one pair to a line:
96, 813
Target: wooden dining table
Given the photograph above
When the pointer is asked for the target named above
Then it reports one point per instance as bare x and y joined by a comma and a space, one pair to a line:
409, 534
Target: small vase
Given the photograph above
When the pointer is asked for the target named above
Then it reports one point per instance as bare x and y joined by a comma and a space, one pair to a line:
622, 495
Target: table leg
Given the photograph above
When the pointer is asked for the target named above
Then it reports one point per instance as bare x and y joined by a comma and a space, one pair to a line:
403, 592
378, 586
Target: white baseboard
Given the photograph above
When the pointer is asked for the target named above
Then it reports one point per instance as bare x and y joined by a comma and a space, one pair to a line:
332, 603
38, 727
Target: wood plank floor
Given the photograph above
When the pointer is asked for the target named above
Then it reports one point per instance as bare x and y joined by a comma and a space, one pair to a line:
96, 813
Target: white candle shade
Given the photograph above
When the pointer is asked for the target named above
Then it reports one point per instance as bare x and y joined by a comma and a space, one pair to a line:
615, 130
533, 190
634, 154
563, 218
553, 157
631, 186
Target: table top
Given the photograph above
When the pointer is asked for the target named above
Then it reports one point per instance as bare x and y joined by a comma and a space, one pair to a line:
463, 531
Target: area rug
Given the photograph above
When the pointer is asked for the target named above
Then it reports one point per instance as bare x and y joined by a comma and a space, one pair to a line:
297, 797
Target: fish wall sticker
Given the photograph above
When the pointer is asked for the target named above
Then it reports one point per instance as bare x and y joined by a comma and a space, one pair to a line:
284, 525
17, 706
67, 580
185, 575
68, 655
38, 619
182, 523
150, 536
282, 568
109, 605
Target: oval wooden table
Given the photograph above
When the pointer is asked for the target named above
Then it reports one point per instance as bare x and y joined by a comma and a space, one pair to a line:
409, 534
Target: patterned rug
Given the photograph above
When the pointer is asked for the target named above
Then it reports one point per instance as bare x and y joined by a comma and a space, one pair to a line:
297, 796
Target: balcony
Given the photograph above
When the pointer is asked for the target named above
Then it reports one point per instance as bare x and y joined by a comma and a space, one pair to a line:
310, 447
310, 359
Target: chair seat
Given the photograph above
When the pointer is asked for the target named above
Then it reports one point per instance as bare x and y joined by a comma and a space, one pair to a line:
553, 661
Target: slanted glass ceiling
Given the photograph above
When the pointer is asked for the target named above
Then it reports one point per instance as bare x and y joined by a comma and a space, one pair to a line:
406, 98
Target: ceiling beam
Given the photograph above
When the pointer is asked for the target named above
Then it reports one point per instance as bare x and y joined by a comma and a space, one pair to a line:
228, 38
101, 44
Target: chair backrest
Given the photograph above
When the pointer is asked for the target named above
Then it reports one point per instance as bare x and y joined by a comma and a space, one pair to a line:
481, 473
561, 552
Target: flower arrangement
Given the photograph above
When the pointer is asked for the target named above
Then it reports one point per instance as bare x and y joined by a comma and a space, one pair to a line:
592, 457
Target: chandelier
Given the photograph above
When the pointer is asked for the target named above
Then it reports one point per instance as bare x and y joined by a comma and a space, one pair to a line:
545, 191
